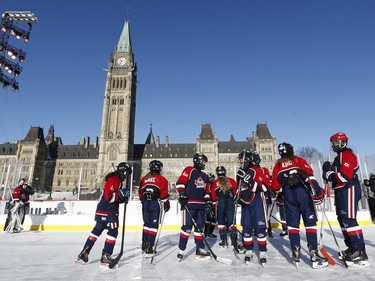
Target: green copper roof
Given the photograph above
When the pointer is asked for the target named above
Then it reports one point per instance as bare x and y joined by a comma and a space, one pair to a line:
124, 44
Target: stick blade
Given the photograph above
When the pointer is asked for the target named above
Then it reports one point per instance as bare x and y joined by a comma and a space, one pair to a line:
224, 260
330, 260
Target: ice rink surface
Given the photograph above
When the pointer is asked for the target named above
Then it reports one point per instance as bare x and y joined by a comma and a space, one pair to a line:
50, 255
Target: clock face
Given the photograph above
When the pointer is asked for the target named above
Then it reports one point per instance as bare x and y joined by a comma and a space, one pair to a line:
121, 61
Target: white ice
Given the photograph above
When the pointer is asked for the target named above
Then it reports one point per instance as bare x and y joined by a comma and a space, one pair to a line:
50, 255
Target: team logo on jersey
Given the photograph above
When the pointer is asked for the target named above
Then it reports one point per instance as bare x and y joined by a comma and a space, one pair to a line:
200, 183
286, 164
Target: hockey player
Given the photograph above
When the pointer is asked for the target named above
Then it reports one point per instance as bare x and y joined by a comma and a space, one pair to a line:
106, 215
252, 198
19, 206
153, 193
294, 177
267, 181
192, 186
343, 175
22, 194
223, 192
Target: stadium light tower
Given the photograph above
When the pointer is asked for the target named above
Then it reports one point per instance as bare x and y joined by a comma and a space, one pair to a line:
11, 56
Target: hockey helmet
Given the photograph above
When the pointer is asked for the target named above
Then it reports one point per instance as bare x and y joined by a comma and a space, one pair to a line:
156, 167
221, 171
200, 161
123, 169
286, 149
338, 141
257, 158
246, 159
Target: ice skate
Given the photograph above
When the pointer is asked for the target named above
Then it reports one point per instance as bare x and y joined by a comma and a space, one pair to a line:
296, 255
284, 234
224, 242
83, 256
180, 254
263, 258
105, 261
240, 247
249, 254
202, 254
357, 259
144, 246
149, 253
345, 253
317, 260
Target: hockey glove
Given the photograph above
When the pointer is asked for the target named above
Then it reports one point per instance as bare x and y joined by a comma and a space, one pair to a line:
318, 198
123, 195
183, 198
211, 177
327, 171
246, 178
167, 205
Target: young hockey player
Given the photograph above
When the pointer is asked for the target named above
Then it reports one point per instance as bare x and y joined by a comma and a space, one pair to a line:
19, 207
343, 175
153, 193
223, 192
192, 186
294, 177
252, 198
106, 215
267, 181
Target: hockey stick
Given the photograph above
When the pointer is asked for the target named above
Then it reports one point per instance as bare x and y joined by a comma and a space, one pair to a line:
116, 260
158, 235
331, 261
219, 259
334, 238
279, 221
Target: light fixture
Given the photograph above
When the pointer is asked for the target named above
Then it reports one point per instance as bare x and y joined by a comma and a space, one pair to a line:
9, 27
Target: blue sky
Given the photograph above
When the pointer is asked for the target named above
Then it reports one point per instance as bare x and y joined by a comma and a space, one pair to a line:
304, 67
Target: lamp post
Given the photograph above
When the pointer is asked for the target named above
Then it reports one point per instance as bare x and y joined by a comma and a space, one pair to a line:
10, 56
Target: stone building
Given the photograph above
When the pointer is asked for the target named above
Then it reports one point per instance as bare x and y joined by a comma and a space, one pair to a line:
51, 165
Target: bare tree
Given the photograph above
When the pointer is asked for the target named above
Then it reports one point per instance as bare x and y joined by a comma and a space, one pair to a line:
309, 153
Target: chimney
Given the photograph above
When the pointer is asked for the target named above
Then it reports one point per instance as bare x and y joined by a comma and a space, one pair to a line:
157, 141
166, 141
96, 142
87, 142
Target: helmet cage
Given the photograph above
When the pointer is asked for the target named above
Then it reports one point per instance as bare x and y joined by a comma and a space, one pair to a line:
246, 160
200, 161
338, 141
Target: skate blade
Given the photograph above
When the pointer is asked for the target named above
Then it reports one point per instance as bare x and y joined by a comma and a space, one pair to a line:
79, 261
105, 266
358, 263
202, 257
317, 264
296, 264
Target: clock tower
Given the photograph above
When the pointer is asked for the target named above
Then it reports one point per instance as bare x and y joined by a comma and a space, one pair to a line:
118, 120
